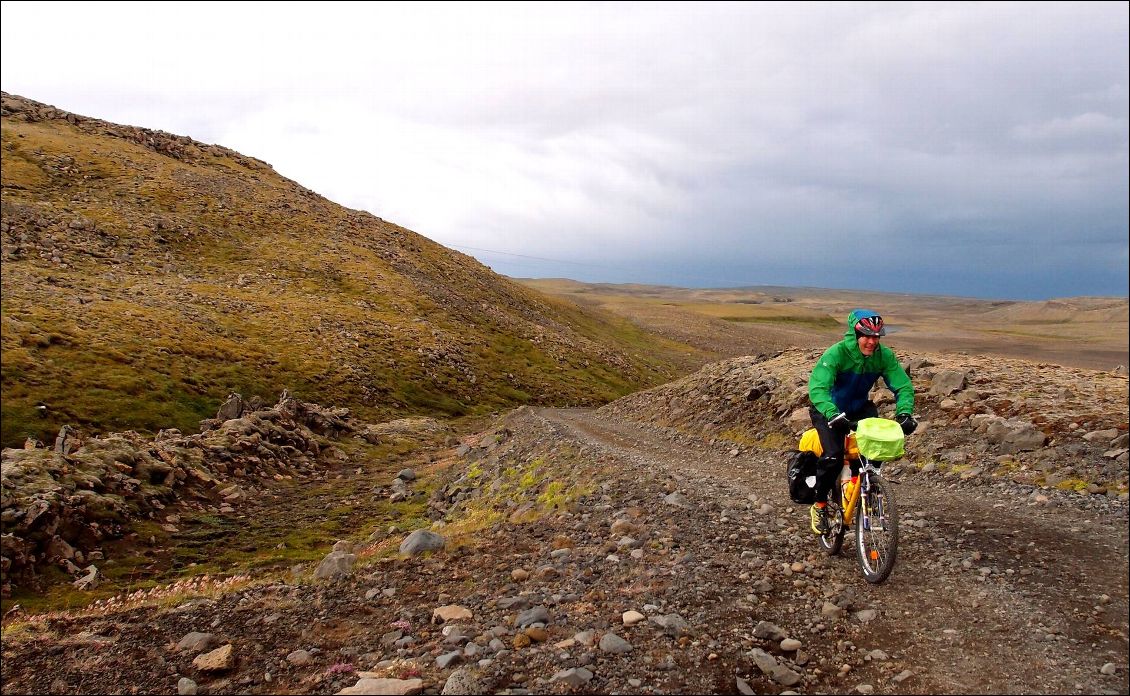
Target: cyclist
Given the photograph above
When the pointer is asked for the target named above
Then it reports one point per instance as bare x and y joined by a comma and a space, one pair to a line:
839, 387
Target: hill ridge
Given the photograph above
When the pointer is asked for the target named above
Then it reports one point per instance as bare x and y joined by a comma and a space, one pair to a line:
146, 263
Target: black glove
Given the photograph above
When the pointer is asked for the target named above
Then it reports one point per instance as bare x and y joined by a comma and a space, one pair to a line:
840, 425
907, 422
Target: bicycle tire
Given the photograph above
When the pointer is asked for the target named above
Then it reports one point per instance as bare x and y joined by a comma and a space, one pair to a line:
833, 540
877, 531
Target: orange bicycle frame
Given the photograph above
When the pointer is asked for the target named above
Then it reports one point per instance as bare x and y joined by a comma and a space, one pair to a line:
848, 504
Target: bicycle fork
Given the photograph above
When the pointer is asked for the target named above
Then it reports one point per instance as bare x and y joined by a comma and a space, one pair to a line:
871, 517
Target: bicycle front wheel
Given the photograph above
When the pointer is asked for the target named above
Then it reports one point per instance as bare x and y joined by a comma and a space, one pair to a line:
877, 530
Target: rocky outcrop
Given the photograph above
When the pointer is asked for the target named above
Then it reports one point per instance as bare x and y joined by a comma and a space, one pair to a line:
1032, 422
61, 504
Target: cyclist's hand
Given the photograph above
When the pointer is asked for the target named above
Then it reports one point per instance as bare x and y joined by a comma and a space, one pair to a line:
840, 424
907, 422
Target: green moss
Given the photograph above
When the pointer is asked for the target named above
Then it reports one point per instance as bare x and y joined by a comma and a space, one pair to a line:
474, 518
739, 436
924, 462
20, 420
530, 475
1074, 484
420, 397
552, 495
560, 495
776, 441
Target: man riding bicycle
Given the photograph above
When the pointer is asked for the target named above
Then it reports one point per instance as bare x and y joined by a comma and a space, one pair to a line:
839, 387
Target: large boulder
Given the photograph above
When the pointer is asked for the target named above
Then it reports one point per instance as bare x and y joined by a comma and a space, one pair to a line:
420, 541
1015, 435
947, 382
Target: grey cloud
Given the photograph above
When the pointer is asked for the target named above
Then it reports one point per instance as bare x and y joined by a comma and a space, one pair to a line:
748, 142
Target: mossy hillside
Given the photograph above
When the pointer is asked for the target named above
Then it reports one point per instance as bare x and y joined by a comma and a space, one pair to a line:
171, 373
146, 276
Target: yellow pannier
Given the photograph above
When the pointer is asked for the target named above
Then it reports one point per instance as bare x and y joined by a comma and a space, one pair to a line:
810, 442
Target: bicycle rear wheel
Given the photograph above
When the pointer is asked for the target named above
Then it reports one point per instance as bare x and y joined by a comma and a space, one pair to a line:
877, 530
833, 540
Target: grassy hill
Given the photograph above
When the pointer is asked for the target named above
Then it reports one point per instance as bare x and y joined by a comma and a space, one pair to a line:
147, 275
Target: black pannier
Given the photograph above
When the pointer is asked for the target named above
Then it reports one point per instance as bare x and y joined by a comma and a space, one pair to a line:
801, 472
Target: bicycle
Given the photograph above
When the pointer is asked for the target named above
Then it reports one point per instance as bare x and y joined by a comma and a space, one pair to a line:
868, 501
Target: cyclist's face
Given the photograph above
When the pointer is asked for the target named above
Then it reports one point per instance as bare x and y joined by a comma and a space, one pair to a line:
868, 344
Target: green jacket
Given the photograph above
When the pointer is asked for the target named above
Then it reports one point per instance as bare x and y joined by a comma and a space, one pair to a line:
843, 377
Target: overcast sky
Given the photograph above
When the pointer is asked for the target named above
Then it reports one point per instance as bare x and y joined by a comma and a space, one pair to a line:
963, 149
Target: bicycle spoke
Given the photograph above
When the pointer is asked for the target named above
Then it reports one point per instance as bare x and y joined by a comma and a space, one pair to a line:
833, 539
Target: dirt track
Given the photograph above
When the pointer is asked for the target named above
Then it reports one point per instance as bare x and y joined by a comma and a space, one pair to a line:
1041, 607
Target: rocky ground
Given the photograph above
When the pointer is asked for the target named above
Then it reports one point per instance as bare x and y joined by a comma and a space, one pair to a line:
65, 505
650, 547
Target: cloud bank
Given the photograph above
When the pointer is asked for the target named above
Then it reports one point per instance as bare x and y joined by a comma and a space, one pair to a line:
966, 149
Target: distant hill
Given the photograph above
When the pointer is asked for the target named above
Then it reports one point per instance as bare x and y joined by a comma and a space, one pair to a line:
1075, 310
1084, 332
147, 275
